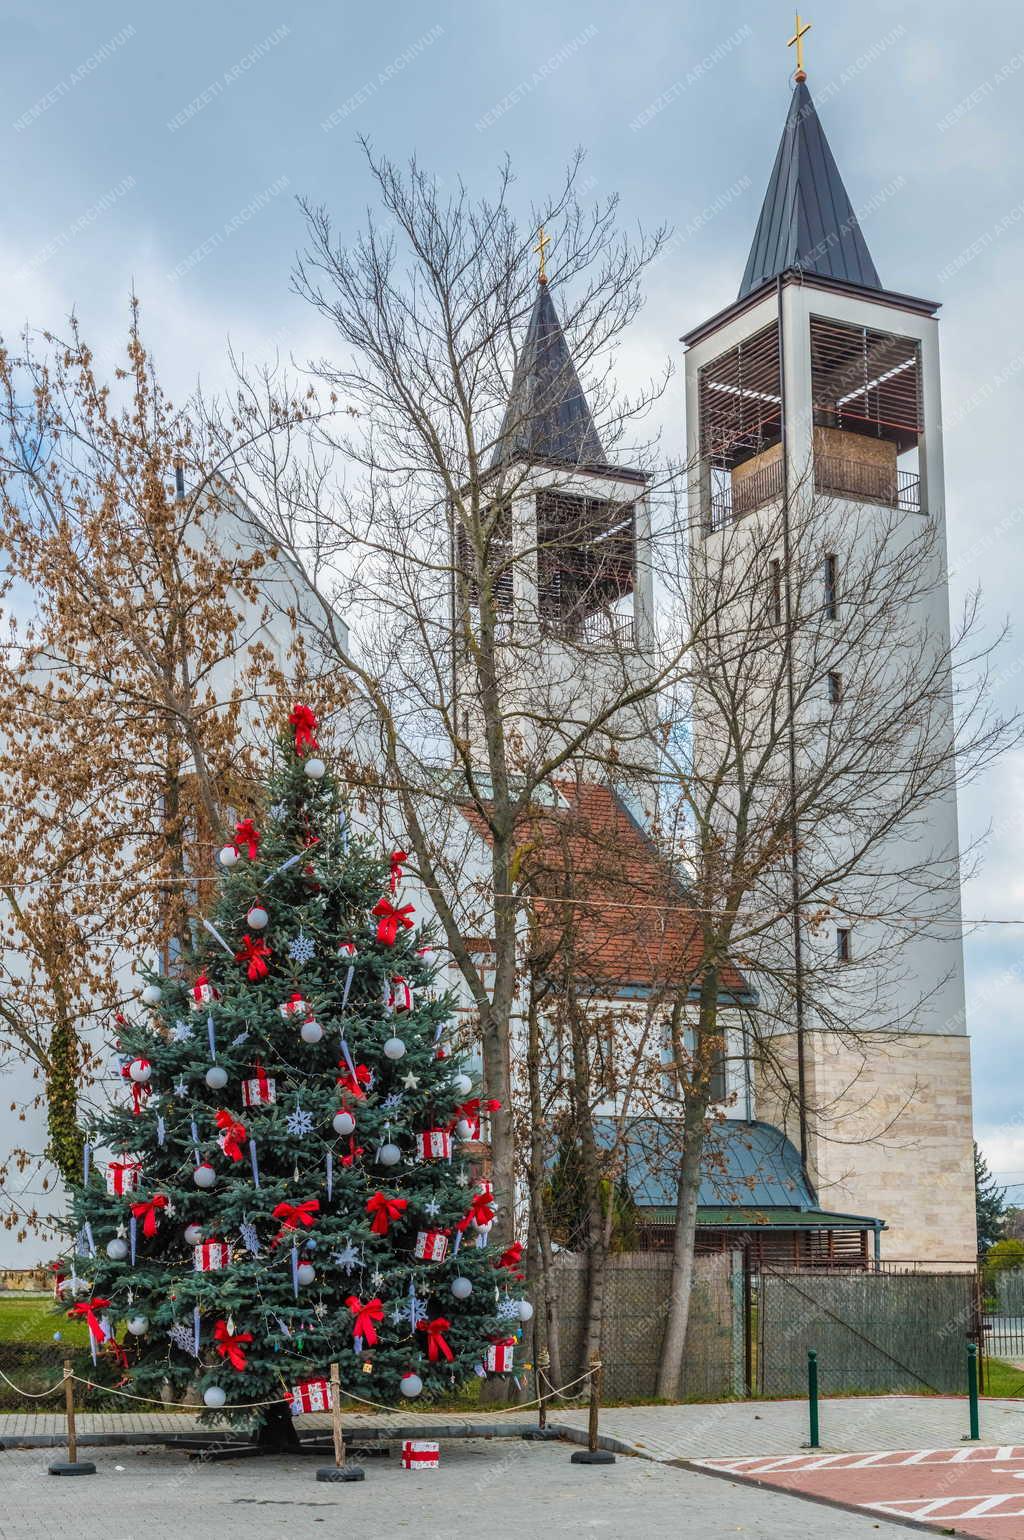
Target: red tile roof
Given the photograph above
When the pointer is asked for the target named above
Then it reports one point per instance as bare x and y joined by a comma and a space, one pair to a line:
604, 890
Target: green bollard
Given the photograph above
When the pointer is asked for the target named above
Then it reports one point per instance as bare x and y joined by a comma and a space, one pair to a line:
972, 1388
812, 1397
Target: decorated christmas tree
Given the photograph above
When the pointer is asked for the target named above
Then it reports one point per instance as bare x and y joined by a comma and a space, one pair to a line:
287, 1179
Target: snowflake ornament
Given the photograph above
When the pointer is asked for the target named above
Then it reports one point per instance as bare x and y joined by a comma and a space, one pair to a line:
250, 1240
301, 949
183, 1337
348, 1258
392, 1101
462, 1179
243, 1037
181, 1031
433, 1208
377, 1279
279, 812
507, 1309
299, 1123
180, 1088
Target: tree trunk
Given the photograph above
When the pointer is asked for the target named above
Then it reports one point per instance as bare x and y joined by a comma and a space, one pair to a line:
546, 1320
276, 1433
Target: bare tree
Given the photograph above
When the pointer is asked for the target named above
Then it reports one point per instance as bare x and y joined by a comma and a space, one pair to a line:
456, 527
828, 714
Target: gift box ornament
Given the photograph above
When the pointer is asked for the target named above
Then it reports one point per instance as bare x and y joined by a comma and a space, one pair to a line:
435, 1144
499, 1355
202, 994
400, 996
260, 1091
310, 1396
420, 1454
123, 1176
431, 1245
211, 1256
294, 1006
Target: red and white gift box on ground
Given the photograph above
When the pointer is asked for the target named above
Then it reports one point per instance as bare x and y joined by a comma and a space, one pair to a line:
260, 1091
499, 1355
435, 1144
431, 1245
310, 1396
420, 1454
123, 1176
295, 1006
211, 1256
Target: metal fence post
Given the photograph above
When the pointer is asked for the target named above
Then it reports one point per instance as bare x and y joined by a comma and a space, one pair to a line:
972, 1389
812, 1397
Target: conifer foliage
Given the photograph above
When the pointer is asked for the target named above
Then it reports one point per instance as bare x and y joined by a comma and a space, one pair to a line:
285, 1179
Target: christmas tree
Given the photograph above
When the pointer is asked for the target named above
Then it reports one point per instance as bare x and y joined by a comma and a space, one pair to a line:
289, 1181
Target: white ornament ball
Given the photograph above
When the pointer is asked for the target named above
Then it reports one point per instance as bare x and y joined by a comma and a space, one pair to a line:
462, 1085
344, 1123
410, 1385
216, 1077
311, 1031
315, 769
117, 1249
525, 1310
257, 917
140, 1072
394, 1048
389, 1155
138, 1325
305, 1272
214, 1396
58, 1336
151, 995
461, 1288
228, 856
204, 1176
193, 1234
464, 1128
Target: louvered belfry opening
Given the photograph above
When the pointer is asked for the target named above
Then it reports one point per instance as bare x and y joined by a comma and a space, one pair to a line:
868, 413
740, 405
497, 561
586, 567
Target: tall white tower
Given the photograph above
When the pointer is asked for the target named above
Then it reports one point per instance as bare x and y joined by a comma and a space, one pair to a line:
818, 388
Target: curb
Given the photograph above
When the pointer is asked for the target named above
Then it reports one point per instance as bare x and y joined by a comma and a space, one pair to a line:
357, 1436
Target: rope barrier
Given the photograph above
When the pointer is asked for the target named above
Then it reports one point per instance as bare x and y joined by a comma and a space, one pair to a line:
244, 1406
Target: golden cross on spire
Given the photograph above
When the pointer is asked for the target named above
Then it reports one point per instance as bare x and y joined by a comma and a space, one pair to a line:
797, 41
541, 247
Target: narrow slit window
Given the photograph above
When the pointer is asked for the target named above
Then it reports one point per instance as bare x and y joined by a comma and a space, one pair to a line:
775, 600
842, 944
831, 587
835, 689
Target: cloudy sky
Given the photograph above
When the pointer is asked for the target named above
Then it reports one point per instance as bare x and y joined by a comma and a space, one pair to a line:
164, 147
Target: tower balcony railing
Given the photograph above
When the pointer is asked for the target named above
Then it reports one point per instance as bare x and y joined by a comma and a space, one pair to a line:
733, 497
604, 630
867, 483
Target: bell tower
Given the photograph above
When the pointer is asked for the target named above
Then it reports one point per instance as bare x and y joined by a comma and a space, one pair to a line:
562, 537
817, 392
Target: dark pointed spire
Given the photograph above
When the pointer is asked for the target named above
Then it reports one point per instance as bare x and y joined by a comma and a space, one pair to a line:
807, 221
547, 417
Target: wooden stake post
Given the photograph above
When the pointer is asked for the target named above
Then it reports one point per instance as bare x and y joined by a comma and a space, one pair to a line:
72, 1466
339, 1471
592, 1455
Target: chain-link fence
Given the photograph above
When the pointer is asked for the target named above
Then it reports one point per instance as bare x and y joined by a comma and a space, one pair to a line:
872, 1331
636, 1301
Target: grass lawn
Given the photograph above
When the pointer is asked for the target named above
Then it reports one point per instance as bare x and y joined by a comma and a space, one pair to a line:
31, 1318
1002, 1379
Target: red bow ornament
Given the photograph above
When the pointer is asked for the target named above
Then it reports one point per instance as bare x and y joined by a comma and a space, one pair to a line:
471, 1111
355, 1080
385, 1211
437, 1347
397, 857
254, 955
139, 1092
294, 1216
365, 1320
232, 1135
247, 838
354, 1152
147, 1211
304, 723
231, 1345
512, 1257
480, 1213
389, 919
86, 1310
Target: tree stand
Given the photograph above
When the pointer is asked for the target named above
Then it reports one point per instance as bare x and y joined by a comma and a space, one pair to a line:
592, 1455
